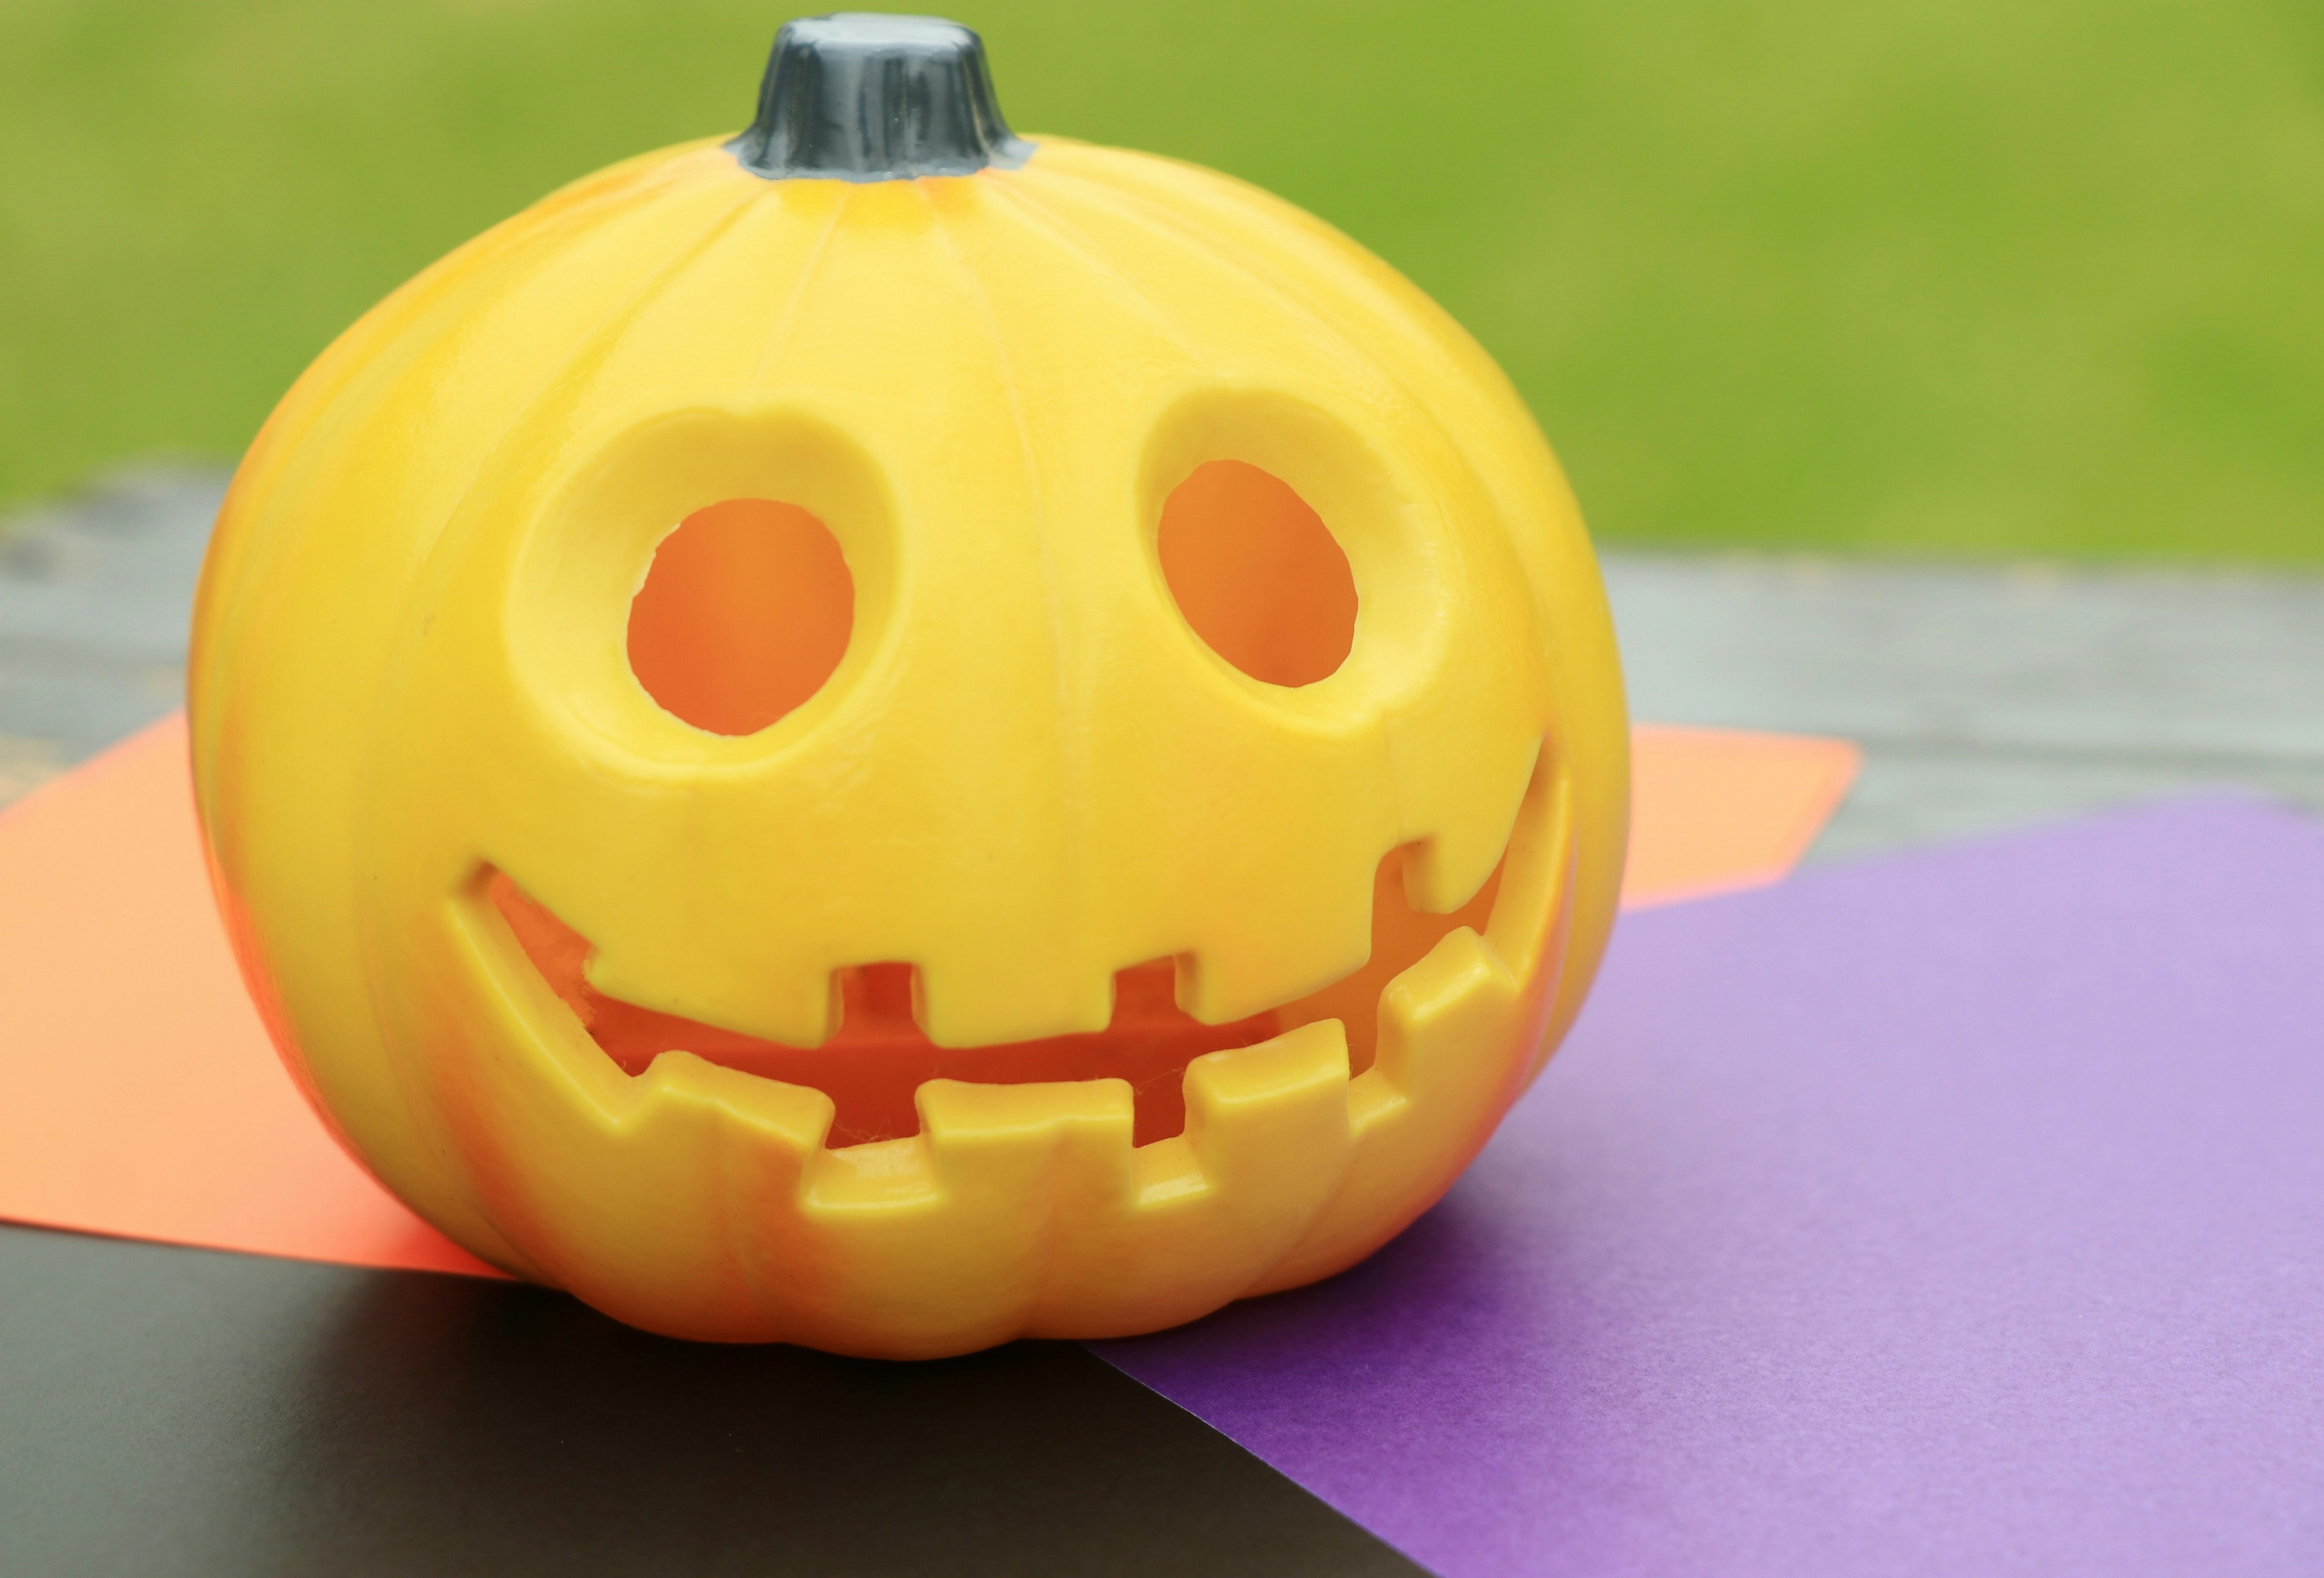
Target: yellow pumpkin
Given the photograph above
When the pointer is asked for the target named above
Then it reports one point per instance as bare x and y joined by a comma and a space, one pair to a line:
885, 736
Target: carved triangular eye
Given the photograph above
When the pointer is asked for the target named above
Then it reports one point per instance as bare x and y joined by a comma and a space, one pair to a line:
1257, 573
745, 614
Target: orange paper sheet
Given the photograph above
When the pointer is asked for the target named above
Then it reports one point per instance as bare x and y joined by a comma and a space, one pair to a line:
140, 1098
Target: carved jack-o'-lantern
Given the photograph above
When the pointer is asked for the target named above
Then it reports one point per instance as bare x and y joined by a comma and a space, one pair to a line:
884, 736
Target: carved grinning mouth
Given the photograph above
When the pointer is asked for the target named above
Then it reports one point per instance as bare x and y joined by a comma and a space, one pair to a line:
874, 1065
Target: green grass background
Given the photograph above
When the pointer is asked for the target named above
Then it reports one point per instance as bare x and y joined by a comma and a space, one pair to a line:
1930, 275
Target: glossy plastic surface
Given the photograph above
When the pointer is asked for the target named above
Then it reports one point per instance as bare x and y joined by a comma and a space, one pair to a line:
865, 96
464, 852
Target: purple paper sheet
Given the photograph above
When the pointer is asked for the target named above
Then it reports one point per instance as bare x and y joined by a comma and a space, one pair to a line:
1956, 1213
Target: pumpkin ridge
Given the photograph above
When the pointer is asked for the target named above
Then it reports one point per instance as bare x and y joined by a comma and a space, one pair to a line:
1446, 356
599, 344
347, 417
1072, 776
785, 321
360, 370
570, 376
1392, 303
1043, 219
1158, 219
443, 552
1537, 513
1310, 251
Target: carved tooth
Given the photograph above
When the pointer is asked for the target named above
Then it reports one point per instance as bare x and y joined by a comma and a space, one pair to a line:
1373, 1100
1269, 1125
1434, 886
1452, 861
792, 1118
1006, 1147
733, 1145
798, 1009
714, 1133
1017, 1176
894, 1176
1224, 983
1165, 1173
1457, 999
968, 1001
1537, 872
523, 1011
1424, 1105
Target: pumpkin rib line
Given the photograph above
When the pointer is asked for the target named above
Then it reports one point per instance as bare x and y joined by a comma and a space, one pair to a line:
363, 369
1138, 208
1444, 350
1044, 218
1141, 208
433, 569
781, 330
1072, 772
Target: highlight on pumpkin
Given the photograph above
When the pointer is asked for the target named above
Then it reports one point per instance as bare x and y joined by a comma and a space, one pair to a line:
745, 614
1257, 573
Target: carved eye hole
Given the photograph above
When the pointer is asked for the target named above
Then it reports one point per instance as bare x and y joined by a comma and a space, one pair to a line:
745, 614
1257, 573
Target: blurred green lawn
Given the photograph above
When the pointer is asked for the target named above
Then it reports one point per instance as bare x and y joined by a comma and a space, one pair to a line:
1927, 275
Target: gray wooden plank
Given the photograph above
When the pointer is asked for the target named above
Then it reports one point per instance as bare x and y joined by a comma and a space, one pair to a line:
1987, 696
1984, 695
95, 598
